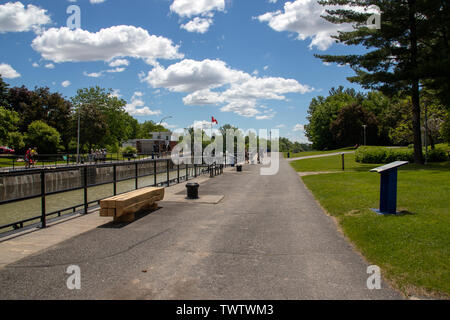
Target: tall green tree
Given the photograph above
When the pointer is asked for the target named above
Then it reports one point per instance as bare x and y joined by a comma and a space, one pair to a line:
147, 127
398, 58
9, 121
45, 138
4, 88
112, 124
347, 128
323, 111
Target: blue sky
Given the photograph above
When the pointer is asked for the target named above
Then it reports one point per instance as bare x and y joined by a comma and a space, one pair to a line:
249, 63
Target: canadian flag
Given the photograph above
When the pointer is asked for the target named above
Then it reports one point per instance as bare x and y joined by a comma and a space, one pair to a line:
214, 121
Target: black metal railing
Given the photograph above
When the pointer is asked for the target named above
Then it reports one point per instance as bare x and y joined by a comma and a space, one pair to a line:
17, 162
143, 168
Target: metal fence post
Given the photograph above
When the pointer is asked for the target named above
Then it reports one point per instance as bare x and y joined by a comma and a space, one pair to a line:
43, 216
195, 170
178, 173
115, 178
187, 171
85, 189
168, 172
136, 176
154, 172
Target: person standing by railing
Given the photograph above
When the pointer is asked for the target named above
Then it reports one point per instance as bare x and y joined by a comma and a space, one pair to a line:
34, 155
28, 159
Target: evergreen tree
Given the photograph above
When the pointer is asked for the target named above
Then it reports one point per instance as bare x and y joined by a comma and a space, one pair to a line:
399, 59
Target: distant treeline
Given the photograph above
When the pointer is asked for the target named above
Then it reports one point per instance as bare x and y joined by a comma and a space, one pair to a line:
337, 120
47, 120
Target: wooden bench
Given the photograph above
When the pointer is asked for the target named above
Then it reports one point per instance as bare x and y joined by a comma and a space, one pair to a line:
123, 207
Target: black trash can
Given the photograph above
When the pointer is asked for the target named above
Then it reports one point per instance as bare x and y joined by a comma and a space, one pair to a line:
192, 190
239, 168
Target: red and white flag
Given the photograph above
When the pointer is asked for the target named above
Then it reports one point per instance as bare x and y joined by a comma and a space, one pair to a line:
214, 121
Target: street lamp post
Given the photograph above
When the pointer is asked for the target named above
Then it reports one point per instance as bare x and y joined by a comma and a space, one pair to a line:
364, 126
426, 133
78, 137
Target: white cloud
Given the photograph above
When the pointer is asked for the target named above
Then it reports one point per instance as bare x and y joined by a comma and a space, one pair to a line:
35, 65
189, 8
236, 91
168, 126
50, 66
281, 126
96, 1
304, 18
119, 63
66, 83
65, 45
191, 75
116, 70
15, 17
137, 107
199, 25
8, 72
197, 8
93, 74
299, 127
116, 93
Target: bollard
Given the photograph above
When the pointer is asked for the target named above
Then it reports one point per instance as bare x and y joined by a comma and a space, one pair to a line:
239, 168
192, 190
343, 161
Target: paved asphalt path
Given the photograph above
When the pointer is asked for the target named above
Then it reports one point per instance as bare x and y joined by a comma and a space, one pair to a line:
268, 239
320, 156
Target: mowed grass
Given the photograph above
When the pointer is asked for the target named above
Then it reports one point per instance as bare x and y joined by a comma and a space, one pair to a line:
331, 164
412, 248
316, 153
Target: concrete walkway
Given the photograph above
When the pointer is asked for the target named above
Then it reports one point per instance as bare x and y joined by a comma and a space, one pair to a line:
266, 239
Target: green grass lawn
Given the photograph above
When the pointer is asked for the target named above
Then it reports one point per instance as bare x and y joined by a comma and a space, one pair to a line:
411, 248
316, 153
330, 164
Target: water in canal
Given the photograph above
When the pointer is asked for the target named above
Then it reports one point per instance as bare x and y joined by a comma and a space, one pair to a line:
12, 212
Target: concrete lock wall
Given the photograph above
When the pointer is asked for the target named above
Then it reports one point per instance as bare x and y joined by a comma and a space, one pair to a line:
30, 185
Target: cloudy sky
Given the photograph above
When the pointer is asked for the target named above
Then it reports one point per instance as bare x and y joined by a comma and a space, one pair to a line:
249, 63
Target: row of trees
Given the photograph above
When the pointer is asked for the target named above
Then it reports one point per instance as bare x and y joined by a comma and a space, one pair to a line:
49, 121
46, 120
409, 52
338, 120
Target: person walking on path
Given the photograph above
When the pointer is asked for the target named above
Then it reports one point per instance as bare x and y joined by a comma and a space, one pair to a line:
34, 155
28, 159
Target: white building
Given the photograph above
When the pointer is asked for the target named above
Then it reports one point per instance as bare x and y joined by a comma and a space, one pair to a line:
160, 142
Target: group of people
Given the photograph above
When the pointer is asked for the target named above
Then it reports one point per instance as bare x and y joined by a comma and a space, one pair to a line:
31, 157
97, 155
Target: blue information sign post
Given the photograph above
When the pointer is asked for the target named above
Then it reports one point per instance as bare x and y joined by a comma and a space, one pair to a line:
388, 189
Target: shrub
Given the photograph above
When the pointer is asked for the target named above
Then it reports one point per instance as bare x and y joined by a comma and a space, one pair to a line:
129, 151
370, 155
437, 155
383, 155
